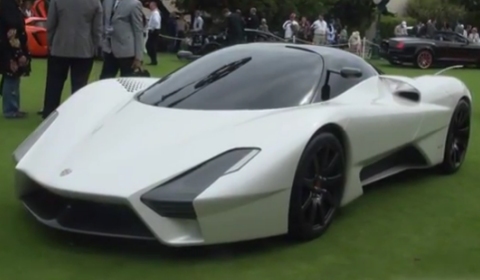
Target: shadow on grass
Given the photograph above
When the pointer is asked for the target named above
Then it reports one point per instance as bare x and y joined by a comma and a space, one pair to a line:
152, 250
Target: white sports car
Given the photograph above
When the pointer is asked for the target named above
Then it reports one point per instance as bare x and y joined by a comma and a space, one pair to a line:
250, 141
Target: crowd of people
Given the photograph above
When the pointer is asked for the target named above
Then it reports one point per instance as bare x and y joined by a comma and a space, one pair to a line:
320, 32
427, 30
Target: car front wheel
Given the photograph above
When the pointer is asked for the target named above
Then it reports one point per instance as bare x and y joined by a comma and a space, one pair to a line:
457, 140
317, 188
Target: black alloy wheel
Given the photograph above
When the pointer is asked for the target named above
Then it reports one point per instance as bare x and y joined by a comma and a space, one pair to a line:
318, 187
458, 136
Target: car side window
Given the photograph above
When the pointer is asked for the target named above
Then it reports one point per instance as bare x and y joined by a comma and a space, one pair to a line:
447, 38
339, 85
460, 39
444, 37
438, 37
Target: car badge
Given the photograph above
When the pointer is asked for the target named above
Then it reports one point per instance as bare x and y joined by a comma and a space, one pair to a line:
65, 172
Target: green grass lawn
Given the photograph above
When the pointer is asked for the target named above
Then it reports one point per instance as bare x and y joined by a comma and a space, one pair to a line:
409, 227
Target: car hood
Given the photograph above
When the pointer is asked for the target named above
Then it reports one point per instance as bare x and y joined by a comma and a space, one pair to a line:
140, 146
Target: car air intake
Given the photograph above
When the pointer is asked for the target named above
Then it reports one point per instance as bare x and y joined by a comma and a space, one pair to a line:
132, 84
88, 217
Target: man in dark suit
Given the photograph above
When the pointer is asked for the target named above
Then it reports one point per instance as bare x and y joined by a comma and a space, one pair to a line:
74, 31
431, 28
253, 22
122, 38
235, 27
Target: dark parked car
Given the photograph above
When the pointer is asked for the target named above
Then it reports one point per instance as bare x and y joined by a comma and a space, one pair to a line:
199, 45
445, 48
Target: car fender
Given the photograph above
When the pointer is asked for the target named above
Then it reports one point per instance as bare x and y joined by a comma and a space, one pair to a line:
430, 47
442, 90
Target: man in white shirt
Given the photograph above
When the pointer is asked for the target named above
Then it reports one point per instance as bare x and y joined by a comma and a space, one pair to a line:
146, 13
291, 27
154, 25
320, 29
197, 22
401, 29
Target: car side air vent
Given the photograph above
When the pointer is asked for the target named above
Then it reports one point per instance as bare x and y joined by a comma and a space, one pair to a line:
132, 84
409, 95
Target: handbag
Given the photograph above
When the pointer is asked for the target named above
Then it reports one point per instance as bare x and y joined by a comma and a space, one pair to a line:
141, 72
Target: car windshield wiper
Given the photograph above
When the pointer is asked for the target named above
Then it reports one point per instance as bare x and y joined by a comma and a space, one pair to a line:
222, 72
212, 77
163, 97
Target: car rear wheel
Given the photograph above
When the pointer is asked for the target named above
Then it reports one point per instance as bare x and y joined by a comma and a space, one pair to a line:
457, 140
317, 188
424, 59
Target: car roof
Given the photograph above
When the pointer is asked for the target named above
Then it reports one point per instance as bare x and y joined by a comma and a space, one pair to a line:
327, 53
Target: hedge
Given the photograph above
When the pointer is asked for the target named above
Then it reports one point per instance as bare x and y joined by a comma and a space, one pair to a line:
388, 23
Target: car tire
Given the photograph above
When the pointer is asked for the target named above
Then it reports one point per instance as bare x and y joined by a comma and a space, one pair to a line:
317, 188
458, 136
424, 59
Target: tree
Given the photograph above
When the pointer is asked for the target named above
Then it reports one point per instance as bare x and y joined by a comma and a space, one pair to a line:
469, 5
442, 10
354, 13
472, 7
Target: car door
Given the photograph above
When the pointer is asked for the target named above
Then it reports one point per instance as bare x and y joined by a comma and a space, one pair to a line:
449, 49
469, 51
390, 121
463, 48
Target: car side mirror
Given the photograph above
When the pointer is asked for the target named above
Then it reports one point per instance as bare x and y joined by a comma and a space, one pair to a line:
348, 73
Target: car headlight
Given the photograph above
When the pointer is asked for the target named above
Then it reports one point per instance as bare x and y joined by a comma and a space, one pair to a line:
25, 146
174, 199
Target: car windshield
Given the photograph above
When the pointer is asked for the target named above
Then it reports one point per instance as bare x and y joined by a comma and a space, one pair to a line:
240, 78
451, 37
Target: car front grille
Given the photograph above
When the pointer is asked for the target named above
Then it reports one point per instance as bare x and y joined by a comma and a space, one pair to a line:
83, 216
